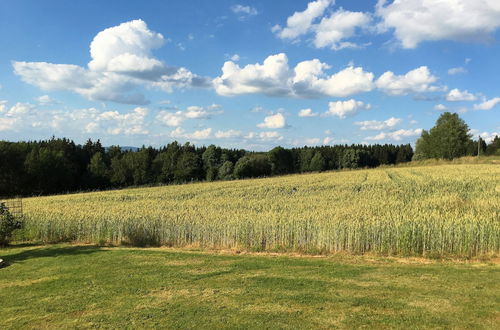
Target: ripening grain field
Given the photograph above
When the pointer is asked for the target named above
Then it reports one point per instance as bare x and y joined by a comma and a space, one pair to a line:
446, 210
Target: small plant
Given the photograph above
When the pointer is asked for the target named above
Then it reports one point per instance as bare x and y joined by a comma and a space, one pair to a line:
8, 223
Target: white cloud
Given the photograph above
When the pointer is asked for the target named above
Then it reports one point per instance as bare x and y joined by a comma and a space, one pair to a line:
196, 112
125, 48
273, 121
244, 11
7, 124
457, 70
131, 123
486, 136
457, 95
170, 119
26, 117
396, 135
180, 133
415, 21
192, 112
378, 125
121, 62
201, 134
301, 22
415, 81
307, 80
307, 113
45, 100
240, 9
3, 106
342, 109
331, 31
228, 134
235, 58
487, 104
20, 109
440, 107
264, 136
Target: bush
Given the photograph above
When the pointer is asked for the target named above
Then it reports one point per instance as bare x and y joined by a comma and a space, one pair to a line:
7, 225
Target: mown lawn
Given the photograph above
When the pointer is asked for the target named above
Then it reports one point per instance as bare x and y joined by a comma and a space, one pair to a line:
67, 286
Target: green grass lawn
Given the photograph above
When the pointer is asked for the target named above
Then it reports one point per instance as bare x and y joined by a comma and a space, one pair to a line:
67, 286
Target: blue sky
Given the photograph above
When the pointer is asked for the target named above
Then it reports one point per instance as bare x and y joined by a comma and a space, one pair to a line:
252, 74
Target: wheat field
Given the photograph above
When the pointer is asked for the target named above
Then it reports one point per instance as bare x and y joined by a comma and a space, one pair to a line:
446, 210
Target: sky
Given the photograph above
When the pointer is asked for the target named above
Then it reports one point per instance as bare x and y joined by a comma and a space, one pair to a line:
247, 74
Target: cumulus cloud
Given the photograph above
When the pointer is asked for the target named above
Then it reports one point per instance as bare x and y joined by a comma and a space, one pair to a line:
264, 136
229, 134
487, 104
419, 80
192, 112
415, 21
273, 121
307, 113
27, 117
457, 70
396, 135
121, 61
170, 119
378, 125
331, 31
456, 95
300, 22
275, 78
440, 107
342, 109
180, 133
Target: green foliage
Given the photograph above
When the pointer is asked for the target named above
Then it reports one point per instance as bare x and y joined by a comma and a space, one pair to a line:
281, 161
350, 159
211, 162
251, 166
494, 147
318, 162
7, 225
448, 139
305, 157
98, 170
188, 167
226, 170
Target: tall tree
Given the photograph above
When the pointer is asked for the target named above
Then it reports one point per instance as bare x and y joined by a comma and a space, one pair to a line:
447, 139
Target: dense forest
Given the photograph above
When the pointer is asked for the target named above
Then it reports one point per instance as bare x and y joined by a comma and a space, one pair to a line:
59, 165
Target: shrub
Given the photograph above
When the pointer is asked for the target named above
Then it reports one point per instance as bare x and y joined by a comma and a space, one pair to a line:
8, 223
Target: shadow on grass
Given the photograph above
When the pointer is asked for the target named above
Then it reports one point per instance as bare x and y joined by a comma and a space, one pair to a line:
48, 252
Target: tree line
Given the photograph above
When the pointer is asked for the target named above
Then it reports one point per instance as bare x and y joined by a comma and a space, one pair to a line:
59, 165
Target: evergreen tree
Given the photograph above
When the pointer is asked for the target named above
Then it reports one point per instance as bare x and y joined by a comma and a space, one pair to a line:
318, 162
